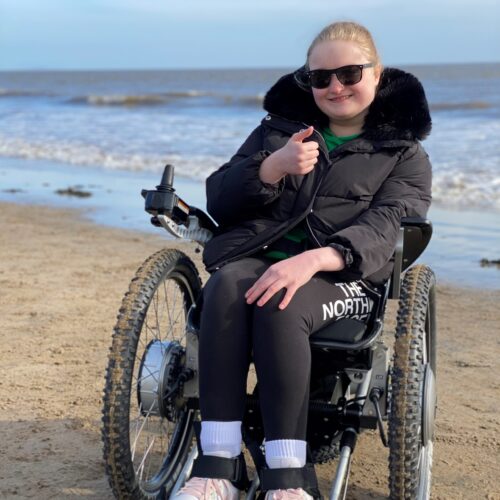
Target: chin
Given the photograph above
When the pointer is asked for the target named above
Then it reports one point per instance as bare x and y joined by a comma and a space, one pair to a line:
346, 115
342, 117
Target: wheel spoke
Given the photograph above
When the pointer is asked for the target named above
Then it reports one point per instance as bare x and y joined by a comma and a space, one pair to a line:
168, 314
146, 417
141, 465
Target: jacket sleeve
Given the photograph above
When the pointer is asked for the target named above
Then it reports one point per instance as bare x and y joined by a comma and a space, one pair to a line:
369, 243
235, 189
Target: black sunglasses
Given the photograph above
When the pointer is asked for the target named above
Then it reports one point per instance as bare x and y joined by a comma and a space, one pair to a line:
346, 75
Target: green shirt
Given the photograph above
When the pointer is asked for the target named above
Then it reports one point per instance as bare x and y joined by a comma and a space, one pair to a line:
298, 234
332, 141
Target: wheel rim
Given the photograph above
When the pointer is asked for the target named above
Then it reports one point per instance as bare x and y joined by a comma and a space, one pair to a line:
430, 330
428, 407
155, 439
424, 469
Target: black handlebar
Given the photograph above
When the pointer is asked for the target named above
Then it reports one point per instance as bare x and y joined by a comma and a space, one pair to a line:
164, 201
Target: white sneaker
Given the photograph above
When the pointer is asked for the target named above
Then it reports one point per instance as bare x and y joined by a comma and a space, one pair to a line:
207, 489
291, 494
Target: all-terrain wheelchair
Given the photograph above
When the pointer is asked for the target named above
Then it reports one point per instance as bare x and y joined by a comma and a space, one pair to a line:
151, 401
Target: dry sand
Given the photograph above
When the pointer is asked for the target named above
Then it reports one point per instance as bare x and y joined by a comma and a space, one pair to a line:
61, 283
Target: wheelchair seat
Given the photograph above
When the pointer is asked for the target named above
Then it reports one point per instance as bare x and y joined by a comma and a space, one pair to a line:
343, 330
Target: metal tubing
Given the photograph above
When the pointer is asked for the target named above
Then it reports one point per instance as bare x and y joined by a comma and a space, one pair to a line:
253, 488
340, 476
185, 472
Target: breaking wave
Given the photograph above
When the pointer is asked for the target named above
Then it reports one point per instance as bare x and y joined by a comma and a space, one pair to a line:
165, 99
22, 93
196, 167
451, 187
451, 106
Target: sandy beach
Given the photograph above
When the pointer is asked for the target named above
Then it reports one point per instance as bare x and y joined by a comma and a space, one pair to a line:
61, 283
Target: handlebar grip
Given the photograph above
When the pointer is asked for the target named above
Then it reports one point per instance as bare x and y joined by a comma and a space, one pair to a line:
167, 179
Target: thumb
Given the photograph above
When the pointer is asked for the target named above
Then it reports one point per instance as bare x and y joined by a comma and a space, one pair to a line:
303, 134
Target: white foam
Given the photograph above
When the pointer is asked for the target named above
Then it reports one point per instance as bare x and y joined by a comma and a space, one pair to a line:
196, 167
451, 187
124, 100
165, 98
461, 190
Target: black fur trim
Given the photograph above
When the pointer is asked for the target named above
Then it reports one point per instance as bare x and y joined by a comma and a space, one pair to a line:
399, 111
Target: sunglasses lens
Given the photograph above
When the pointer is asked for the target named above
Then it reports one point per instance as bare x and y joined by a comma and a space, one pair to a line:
320, 79
349, 75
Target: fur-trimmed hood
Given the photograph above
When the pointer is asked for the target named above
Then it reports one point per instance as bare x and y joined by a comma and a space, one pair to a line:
398, 112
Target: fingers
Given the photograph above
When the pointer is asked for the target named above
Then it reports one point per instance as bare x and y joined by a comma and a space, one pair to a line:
310, 146
265, 287
269, 293
290, 292
306, 158
274, 288
257, 289
308, 155
305, 168
303, 134
306, 163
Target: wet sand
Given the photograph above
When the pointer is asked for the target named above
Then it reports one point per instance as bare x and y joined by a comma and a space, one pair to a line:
61, 283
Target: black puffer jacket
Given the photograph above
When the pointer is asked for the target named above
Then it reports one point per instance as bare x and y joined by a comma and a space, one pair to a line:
352, 200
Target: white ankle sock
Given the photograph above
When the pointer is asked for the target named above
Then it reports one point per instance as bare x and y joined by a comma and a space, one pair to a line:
221, 439
284, 453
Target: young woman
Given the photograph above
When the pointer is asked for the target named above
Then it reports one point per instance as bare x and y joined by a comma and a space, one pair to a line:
309, 210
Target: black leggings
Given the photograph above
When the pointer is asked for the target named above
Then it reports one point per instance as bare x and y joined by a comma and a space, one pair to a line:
231, 331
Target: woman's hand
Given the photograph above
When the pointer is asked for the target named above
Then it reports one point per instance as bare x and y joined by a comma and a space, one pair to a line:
295, 157
292, 273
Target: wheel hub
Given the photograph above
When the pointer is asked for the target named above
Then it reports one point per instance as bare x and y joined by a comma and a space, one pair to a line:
429, 400
158, 372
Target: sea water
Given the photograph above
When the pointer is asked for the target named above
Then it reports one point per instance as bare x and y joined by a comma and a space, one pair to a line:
117, 130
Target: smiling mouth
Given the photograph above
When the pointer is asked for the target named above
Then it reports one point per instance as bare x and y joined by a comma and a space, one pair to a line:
339, 98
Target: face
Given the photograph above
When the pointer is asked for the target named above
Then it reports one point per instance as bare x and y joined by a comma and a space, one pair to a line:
344, 105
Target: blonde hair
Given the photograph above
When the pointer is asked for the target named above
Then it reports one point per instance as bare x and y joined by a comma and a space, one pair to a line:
348, 31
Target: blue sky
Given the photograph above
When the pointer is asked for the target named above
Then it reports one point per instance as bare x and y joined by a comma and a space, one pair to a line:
114, 34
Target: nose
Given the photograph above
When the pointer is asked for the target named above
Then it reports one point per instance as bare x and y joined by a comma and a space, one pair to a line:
335, 86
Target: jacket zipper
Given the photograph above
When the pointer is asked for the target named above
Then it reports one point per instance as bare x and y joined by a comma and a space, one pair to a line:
319, 245
276, 237
282, 233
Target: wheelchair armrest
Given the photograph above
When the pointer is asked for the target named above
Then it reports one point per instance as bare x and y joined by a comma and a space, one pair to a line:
417, 234
204, 219
414, 236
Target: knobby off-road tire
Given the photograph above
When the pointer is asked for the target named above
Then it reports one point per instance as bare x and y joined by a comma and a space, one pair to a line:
413, 401
144, 454
325, 453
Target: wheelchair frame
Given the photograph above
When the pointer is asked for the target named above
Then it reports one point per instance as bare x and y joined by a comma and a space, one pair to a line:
363, 391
